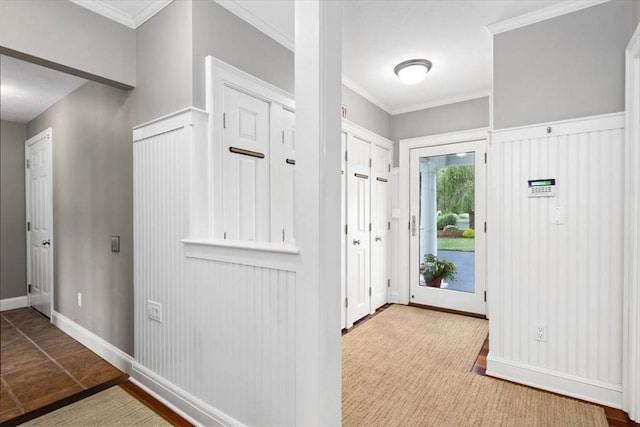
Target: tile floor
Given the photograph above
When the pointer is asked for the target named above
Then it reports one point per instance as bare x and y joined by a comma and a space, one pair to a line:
40, 364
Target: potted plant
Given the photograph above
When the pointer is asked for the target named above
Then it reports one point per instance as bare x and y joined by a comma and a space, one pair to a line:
434, 270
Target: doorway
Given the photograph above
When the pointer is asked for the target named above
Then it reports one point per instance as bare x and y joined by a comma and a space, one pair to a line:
39, 211
447, 226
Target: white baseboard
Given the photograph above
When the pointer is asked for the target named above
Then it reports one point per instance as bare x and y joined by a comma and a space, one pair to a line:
557, 382
13, 303
200, 413
102, 348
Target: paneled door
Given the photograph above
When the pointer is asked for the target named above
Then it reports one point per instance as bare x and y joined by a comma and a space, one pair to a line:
358, 227
246, 210
283, 162
380, 171
343, 235
39, 209
447, 214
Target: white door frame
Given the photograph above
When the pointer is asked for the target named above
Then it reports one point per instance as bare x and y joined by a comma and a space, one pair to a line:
405, 147
46, 134
631, 290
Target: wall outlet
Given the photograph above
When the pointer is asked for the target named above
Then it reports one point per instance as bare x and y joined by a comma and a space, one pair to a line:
154, 311
540, 332
79, 299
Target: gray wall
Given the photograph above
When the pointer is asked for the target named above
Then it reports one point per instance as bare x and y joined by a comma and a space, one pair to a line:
72, 36
163, 63
13, 265
93, 200
566, 67
446, 118
220, 33
367, 114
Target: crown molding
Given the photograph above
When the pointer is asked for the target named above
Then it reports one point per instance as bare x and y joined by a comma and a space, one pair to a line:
442, 101
556, 10
110, 12
240, 11
346, 81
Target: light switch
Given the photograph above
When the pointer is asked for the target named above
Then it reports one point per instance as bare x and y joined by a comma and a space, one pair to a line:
115, 243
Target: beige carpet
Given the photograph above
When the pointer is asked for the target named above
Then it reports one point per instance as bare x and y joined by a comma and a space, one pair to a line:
112, 407
411, 367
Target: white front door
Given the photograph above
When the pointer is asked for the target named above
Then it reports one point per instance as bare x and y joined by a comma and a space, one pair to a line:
39, 211
447, 215
380, 171
358, 225
246, 210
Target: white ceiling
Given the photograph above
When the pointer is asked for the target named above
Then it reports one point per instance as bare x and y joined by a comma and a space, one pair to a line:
27, 90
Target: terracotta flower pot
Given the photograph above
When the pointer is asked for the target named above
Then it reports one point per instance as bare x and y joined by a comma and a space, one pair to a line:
436, 282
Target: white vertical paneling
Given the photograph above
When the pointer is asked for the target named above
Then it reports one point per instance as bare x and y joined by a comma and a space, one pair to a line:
566, 276
226, 343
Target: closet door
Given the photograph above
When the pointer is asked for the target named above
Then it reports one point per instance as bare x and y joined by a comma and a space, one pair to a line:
246, 210
358, 222
380, 193
283, 161
343, 235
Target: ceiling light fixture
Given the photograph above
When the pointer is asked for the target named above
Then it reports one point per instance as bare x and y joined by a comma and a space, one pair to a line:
412, 71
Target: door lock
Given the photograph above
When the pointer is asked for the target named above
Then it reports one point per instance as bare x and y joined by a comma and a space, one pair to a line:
46, 242
413, 225
378, 239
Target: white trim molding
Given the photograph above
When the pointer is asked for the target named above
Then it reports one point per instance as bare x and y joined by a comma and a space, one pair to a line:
93, 342
442, 102
557, 382
115, 14
13, 303
348, 83
631, 287
184, 404
245, 14
559, 9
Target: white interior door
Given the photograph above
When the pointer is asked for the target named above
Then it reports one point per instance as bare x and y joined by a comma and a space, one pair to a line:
282, 175
343, 234
39, 210
358, 225
443, 179
246, 210
380, 171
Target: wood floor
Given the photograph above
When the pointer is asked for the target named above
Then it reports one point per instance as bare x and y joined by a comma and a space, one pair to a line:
43, 369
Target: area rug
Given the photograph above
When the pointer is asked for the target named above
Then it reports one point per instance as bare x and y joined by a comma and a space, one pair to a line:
408, 366
111, 407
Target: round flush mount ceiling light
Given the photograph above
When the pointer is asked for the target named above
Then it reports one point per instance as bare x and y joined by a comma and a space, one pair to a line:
412, 71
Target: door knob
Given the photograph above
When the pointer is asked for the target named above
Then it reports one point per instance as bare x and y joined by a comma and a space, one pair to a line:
46, 242
378, 239
356, 242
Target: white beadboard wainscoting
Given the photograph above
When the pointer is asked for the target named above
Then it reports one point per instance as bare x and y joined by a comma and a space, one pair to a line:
557, 262
224, 345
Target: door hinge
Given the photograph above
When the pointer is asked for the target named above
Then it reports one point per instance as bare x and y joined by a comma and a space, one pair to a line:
224, 120
369, 226
485, 158
388, 283
346, 302
346, 229
370, 162
283, 234
369, 291
224, 235
345, 156
28, 163
388, 225
389, 167
29, 288
28, 225
485, 226
485, 296
283, 136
